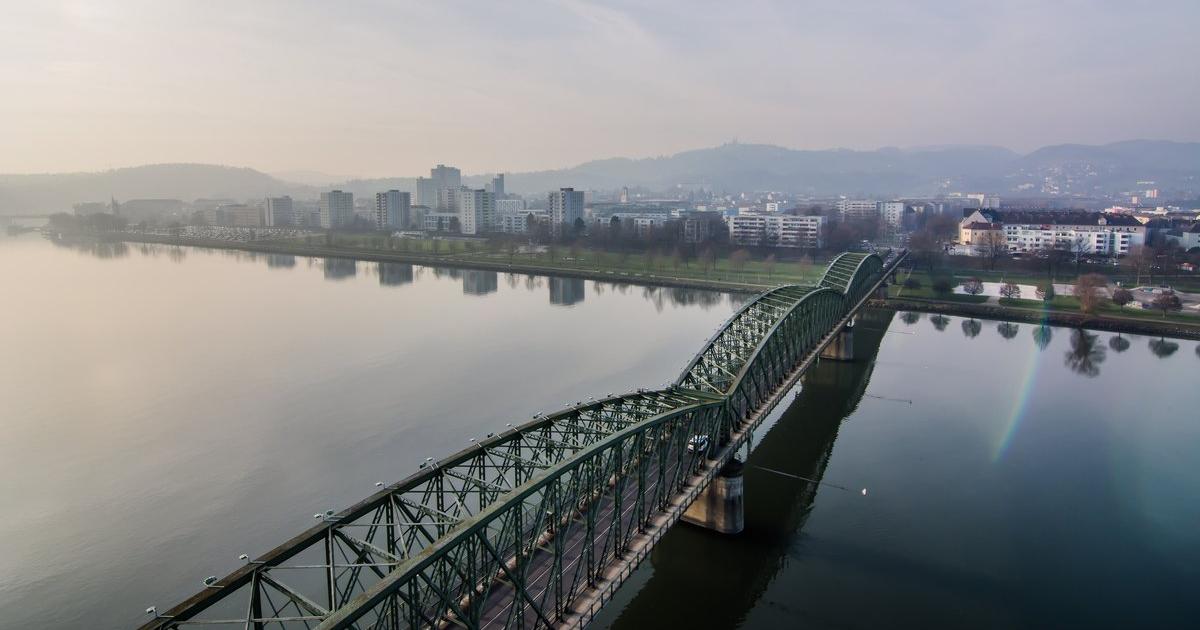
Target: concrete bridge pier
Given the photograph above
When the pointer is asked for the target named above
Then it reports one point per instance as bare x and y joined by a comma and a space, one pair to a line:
721, 506
842, 346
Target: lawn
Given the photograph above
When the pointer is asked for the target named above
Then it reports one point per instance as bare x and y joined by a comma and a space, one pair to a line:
631, 264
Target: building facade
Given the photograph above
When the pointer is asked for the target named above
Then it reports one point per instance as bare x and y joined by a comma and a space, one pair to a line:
337, 209
476, 210
439, 221
393, 209
1091, 233
279, 212
857, 209
565, 207
892, 213
778, 230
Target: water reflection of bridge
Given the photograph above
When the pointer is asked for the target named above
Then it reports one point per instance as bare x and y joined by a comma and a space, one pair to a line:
538, 526
800, 444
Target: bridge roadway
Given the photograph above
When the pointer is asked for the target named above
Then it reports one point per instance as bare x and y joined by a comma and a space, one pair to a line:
538, 526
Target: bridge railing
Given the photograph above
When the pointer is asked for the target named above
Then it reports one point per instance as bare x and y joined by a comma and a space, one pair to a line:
582, 512
316, 573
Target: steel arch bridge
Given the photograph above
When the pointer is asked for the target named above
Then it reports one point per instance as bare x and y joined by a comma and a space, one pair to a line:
536, 526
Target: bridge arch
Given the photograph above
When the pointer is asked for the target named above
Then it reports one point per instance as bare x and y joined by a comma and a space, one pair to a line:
499, 520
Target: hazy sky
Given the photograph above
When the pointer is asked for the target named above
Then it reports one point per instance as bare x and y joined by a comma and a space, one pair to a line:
388, 88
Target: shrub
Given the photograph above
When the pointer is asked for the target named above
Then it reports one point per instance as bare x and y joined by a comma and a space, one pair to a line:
1122, 296
972, 286
1045, 291
943, 285
912, 283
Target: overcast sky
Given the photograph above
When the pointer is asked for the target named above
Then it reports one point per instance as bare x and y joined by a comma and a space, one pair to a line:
388, 88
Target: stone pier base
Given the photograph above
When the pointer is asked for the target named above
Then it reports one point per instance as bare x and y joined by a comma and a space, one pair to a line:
842, 346
721, 506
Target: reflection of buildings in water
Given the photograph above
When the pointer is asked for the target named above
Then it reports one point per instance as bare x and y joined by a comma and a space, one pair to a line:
395, 274
800, 444
340, 268
566, 291
280, 261
447, 272
476, 282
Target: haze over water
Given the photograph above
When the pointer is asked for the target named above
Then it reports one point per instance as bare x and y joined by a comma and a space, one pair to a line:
166, 409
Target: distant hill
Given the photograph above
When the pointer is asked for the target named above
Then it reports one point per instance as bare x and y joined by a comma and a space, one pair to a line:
1061, 169
738, 167
57, 192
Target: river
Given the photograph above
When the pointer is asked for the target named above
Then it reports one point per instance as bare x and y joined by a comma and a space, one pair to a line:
164, 409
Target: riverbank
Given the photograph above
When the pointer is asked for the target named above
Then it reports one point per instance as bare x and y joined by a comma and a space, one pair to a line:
957, 305
1141, 326
652, 278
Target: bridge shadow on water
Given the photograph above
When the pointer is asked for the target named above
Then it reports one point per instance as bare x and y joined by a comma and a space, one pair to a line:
676, 589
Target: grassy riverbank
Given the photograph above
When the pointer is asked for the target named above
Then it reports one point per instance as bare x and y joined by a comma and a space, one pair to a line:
721, 274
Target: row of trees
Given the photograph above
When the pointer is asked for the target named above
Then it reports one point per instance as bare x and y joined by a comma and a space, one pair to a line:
1089, 290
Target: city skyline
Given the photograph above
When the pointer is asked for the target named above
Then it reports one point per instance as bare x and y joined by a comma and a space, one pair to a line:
376, 90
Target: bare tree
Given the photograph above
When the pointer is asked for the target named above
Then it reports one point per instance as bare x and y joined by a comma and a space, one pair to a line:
1010, 290
1087, 291
1167, 302
994, 246
1045, 291
769, 264
1079, 248
738, 259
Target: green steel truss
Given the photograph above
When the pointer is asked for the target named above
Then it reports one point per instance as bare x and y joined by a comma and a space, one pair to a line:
508, 532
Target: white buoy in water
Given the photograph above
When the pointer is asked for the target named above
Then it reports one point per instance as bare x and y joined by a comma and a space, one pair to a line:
864, 492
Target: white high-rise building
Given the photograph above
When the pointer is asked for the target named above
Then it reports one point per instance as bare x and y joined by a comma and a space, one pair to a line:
280, 212
508, 206
392, 209
565, 206
497, 186
779, 230
857, 209
476, 211
337, 209
892, 213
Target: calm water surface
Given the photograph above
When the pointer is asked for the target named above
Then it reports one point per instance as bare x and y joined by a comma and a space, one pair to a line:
163, 410
1018, 476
